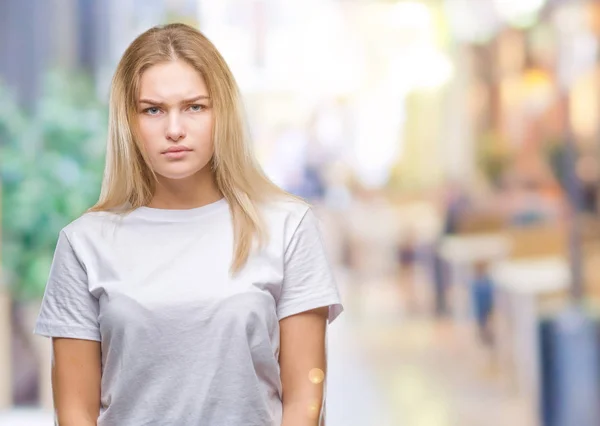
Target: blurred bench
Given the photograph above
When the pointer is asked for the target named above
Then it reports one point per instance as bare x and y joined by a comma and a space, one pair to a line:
523, 286
535, 274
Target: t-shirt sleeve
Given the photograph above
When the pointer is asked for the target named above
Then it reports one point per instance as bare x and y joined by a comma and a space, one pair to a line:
308, 281
68, 308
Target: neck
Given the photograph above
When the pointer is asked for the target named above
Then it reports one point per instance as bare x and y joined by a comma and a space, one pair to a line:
195, 191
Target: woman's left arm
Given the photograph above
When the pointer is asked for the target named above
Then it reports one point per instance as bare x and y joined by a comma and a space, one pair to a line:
303, 365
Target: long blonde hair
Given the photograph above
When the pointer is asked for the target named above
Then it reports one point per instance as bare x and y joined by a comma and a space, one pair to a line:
129, 181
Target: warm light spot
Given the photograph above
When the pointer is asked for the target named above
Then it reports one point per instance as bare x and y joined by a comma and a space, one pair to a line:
314, 410
316, 376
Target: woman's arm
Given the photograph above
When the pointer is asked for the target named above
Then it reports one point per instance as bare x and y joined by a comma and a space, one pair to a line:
76, 374
302, 361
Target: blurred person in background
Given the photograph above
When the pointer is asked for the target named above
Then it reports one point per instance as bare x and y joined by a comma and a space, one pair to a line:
408, 257
482, 293
455, 203
195, 292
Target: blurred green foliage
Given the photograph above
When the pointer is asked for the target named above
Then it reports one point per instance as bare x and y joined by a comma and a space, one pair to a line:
493, 156
51, 162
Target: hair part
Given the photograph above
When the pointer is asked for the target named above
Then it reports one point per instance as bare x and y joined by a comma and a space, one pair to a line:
129, 181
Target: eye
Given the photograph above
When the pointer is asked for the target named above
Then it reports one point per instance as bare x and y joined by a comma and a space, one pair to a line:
152, 111
197, 107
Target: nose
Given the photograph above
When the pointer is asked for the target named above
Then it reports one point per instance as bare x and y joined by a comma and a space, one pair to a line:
175, 128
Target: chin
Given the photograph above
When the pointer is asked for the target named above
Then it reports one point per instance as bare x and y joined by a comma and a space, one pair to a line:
178, 173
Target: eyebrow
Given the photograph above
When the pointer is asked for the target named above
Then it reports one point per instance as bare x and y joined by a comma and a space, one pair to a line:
185, 101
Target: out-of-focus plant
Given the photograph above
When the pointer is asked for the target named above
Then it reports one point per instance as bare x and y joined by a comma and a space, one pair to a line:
555, 151
51, 162
493, 157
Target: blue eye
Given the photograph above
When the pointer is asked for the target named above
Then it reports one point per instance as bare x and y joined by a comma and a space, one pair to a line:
152, 111
196, 108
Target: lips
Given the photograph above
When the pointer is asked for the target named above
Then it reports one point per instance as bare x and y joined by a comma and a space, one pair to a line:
176, 152
175, 149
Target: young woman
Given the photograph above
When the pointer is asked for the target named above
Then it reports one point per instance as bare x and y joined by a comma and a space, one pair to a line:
195, 292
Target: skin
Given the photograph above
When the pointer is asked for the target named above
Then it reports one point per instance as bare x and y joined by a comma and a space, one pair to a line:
76, 381
302, 351
173, 111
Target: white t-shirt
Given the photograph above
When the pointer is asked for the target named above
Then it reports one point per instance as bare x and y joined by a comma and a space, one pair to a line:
183, 343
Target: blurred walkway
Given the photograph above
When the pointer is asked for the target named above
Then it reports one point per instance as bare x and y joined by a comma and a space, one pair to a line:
429, 373
25, 417
355, 397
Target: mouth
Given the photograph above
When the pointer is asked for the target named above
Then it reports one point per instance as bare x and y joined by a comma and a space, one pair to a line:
176, 152
179, 148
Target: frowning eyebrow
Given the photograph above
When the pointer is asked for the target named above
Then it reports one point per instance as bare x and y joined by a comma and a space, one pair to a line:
185, 101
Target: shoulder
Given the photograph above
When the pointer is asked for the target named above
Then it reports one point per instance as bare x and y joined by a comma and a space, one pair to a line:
90, 224
289, 212
291, 219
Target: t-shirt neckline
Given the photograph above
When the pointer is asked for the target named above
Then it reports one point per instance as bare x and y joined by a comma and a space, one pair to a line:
180, 214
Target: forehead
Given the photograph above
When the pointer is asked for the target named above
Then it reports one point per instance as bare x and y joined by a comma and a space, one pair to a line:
171, 80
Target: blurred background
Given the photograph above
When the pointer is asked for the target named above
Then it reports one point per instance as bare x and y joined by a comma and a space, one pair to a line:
451, 148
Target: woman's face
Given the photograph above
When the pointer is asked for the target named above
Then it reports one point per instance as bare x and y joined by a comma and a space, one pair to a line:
175, 119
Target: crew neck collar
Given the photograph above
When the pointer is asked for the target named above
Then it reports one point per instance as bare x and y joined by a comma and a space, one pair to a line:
181, 214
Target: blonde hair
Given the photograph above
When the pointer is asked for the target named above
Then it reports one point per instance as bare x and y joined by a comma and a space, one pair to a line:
129, 181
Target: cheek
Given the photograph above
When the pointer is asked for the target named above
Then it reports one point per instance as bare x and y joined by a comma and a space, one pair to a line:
148, 133
203, 131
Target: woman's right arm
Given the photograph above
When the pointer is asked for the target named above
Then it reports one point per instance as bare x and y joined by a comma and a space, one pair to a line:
76, 375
